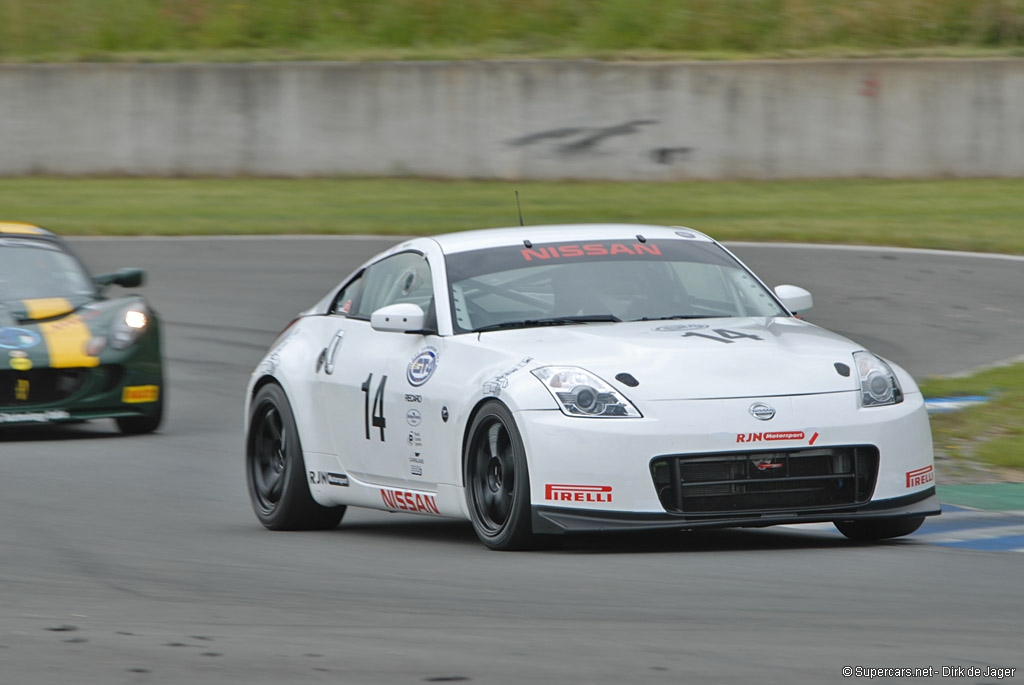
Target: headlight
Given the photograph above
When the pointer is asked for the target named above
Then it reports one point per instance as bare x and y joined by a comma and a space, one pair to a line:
878, 384
128, 325
581, 393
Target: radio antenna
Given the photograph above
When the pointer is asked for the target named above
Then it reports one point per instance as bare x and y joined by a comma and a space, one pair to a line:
519, 207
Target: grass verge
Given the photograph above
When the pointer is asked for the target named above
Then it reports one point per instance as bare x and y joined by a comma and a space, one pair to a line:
98, 29
991, 433
976, 214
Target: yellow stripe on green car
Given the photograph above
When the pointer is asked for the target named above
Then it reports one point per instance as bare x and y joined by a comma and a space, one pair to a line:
15, 228
47, 307
66, 340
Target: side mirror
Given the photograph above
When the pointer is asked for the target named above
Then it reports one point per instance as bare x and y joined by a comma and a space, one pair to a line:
127, 278
404, 317
794, 299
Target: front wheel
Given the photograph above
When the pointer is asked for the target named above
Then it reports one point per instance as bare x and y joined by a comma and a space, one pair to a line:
275, 471
871, 530
139, 425
497, 481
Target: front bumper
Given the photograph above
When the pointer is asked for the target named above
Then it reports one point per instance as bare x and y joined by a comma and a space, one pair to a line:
594, 474
105, 391
559, 520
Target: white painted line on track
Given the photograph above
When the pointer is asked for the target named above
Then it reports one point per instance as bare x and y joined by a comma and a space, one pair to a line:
966, 534
883, 249
258, 237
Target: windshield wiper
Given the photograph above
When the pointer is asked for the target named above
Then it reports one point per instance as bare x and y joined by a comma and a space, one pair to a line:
550, 321
676, 316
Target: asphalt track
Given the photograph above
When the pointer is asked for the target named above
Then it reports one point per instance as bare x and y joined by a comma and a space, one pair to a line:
138, 560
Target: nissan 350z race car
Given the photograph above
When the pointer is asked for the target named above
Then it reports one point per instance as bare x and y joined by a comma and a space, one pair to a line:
553, 379
67, 351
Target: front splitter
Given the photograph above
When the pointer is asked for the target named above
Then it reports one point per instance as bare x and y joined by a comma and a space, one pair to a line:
558, 520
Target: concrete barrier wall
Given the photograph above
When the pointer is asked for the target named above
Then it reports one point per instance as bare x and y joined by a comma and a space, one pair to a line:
516, 120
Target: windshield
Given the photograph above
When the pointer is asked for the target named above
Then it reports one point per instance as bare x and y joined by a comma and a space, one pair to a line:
31, 269
555, 283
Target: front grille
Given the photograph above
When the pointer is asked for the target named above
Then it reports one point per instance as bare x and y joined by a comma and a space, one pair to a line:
764, 482
39, 386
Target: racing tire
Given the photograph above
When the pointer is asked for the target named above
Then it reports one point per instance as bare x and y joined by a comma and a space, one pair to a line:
138, 425
871, 530
275, 472
497, 480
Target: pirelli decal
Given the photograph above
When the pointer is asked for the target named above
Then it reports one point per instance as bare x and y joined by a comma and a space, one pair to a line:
578, 493
919, 477
134, 394
66, 340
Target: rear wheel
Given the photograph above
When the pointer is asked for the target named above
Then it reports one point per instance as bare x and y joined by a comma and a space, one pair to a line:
870, 530
497, 481
275, 471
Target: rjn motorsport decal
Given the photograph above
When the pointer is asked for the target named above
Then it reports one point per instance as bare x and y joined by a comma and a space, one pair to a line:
322, 477
920, 476
777, 435
403, 500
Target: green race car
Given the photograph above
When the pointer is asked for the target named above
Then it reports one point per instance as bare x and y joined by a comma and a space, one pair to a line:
68, 352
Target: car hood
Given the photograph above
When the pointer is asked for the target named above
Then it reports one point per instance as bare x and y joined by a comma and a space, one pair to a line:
38, 309
53, 332
705, 359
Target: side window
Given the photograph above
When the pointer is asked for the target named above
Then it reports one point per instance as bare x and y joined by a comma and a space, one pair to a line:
344, 301
403, 277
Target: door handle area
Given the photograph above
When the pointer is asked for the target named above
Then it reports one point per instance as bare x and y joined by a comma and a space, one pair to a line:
332, 351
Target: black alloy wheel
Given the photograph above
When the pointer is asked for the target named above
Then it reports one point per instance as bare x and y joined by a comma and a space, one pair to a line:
275, 471
497, 481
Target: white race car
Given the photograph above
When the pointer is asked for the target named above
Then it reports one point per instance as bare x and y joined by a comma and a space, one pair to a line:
553, 379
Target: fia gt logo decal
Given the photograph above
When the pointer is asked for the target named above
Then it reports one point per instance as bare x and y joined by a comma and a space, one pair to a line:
421, 368
18, 338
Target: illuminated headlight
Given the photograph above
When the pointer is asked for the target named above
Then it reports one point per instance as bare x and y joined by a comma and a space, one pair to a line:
581, 393
878, 384
134, 318
128, 325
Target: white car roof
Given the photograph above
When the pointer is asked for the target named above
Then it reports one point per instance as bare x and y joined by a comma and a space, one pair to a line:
556, 233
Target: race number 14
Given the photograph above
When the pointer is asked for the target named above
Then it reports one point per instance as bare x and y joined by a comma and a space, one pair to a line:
376, 419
